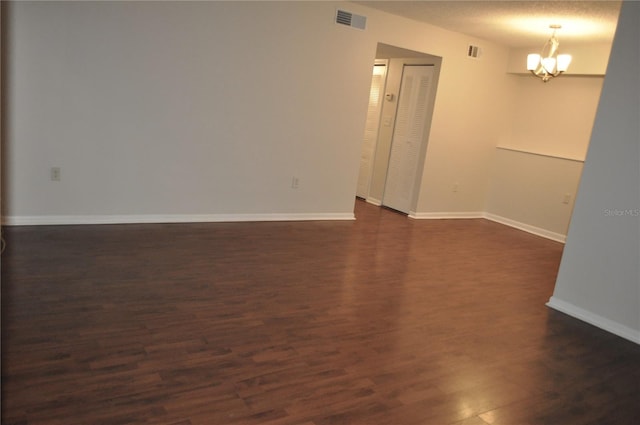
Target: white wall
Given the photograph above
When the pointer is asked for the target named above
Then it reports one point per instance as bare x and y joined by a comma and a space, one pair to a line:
205, 110
553, 118
533, 192
471, 103
180, 108
599, 276
538, 161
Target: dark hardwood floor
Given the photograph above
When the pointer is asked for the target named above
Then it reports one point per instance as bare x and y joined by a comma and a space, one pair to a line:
381, 321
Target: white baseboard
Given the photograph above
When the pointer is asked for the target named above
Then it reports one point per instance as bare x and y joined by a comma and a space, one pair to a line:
498, 219
374, 201
558, 237
608, 325
445, 215
172, 218
45, 220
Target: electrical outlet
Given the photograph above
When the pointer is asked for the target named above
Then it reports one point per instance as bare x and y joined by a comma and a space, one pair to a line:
455, 187
295, 182
55, 174
567, 198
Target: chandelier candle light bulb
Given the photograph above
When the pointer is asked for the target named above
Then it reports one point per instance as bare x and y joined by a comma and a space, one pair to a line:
549, 64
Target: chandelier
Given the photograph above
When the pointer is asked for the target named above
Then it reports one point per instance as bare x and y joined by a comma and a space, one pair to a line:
548, 63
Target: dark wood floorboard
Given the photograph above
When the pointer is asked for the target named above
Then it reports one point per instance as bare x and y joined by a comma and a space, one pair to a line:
381, 321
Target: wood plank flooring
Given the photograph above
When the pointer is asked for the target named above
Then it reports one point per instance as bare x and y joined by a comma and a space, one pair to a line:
381, 321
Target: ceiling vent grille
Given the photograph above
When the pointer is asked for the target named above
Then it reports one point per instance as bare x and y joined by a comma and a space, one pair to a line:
474, 52
350, 19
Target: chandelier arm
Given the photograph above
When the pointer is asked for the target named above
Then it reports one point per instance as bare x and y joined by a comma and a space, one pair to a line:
546, 76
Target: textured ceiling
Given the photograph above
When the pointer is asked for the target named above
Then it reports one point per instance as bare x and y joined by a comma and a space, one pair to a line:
514, 23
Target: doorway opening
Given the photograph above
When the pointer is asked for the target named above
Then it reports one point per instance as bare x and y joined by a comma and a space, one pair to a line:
394, 148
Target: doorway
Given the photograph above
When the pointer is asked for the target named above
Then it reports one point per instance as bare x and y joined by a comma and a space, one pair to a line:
397, 131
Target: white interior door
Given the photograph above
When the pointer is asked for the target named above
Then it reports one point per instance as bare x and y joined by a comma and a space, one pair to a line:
408, 136
371, 129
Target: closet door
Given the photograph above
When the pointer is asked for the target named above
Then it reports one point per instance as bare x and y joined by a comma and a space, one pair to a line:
408, 136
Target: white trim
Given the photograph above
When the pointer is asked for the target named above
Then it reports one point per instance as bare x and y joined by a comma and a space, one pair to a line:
44, 220
566, 158
374, 201
445, 215
558, 237
608, 325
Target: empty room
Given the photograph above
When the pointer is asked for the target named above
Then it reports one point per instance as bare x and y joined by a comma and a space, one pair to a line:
317, 212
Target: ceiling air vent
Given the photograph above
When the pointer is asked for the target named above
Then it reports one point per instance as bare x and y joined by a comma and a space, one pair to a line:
351, 20
474, 51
